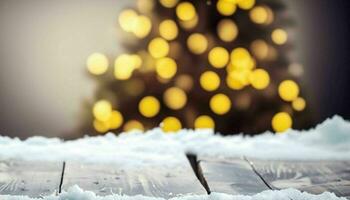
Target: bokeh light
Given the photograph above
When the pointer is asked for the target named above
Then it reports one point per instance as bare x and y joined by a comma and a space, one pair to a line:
218, 57
166, 68
97, 64
102, 110
288, 90
281, 122
245, 4
115, 120
204, 122
226, 7
149, 106
158, 47
127, 19
197, 43
175, 98
169, 3
279, 36
171, 124
209, 81
299, 104
133, 125
227, 30
185, 11
168, 29
259, 79
220, 104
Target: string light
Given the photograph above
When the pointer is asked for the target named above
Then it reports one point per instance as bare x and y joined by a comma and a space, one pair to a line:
175, 98
288, 90
220, 104
100, 127
142, 26
281, 122
204, 122
171, 124
127, 19
241, 59
209, 81
259, 15
197, 43
158, 47
166, 68
149, 106
124, 66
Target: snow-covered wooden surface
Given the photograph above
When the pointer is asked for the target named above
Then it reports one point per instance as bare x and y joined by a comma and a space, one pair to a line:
237, 176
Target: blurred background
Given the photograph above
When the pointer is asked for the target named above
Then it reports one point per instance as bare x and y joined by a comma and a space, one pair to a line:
70, 68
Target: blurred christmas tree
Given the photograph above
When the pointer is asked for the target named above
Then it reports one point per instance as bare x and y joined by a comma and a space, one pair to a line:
200, 64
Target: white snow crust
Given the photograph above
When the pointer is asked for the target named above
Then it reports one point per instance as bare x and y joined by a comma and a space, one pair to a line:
328, 140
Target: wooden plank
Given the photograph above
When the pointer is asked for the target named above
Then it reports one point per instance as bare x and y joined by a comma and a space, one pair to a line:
29, 178
148, 181
232, 176
314, 177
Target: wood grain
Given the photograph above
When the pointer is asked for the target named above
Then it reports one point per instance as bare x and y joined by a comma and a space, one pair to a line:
149, 181
30, 178
233, 176
314, 177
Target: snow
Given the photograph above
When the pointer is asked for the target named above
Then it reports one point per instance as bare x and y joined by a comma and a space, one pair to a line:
329, 140
76, 193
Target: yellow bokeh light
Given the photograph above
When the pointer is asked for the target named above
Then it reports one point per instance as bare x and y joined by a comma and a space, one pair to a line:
168, 29
234, 83
220, 104
184, 82
281, 122
124, 66
145, 6
190, 24
241, 59
299, 104
260, 49
168, 3
175, 98
133, 125
149, 106
259, 79
115, 120
166, 67
226, 7
185, 11
197, 43
245, 4
279, 36
209, 81
204, 122
102, 110
127, 19
171, 124
288, 90
218, 57
259, 15
142, 26
158, 47
100, 127
227, 30
97, 64
242, 76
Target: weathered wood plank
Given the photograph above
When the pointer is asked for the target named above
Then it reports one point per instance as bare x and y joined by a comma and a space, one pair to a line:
232, 176
29, 178
311, 176
149, 181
